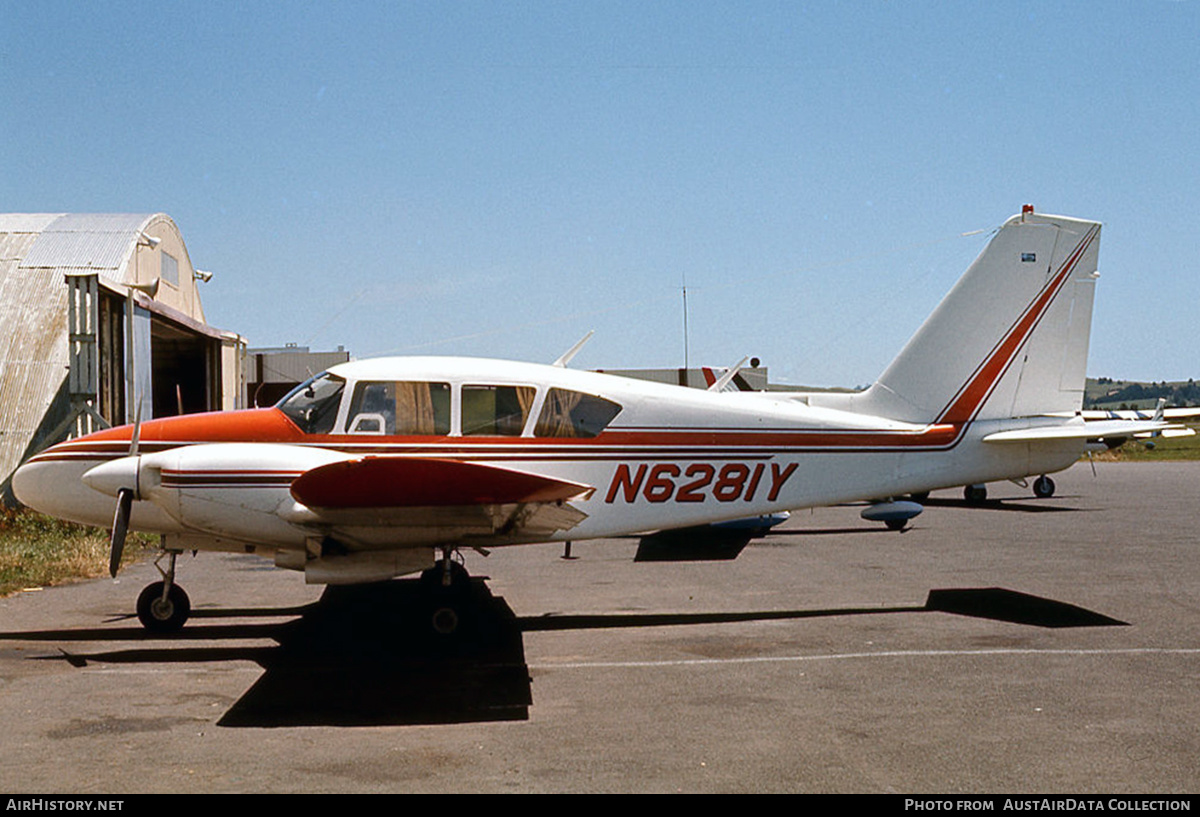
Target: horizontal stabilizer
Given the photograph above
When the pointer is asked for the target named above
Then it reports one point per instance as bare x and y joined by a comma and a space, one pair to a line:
1172, 432
411, 482
1081, 431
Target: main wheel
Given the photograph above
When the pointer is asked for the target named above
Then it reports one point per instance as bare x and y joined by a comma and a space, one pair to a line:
1043, 487
896, 524
975, 494
444, 620
159, 615
447, 607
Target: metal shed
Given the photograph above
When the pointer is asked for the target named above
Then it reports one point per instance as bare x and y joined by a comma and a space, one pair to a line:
100, 312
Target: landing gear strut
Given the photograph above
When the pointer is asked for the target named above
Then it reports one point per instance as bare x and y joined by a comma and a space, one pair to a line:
163, 607
447, 587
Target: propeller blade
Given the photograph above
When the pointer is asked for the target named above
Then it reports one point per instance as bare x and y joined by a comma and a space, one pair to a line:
120, 528
136, 437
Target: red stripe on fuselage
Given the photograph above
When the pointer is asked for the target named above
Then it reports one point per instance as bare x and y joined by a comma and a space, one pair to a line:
610, 445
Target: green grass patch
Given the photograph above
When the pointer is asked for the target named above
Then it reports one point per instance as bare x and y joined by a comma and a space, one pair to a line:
1157, 449
38, 550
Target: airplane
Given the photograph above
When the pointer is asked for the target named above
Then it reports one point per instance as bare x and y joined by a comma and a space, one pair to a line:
380, 468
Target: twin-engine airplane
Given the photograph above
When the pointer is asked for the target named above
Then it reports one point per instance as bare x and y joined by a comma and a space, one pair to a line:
374, 468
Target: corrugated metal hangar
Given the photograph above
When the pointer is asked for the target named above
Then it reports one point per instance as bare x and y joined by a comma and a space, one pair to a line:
100, 312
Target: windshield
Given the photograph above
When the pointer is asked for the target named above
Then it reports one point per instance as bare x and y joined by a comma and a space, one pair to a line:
313, 405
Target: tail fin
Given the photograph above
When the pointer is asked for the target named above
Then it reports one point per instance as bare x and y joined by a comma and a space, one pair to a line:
1011, 337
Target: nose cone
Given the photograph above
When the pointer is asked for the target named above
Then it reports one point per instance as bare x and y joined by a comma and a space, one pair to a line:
29, 482
110, 477
52, 486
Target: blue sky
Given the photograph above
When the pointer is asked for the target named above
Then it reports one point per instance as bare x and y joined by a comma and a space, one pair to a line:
499, 178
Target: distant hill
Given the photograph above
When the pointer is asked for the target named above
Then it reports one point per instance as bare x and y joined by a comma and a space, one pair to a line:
1106, 393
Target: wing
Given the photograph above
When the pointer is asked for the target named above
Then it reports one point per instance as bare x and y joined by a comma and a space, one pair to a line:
426, 498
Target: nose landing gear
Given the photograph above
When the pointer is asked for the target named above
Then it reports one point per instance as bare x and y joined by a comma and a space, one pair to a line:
163, 607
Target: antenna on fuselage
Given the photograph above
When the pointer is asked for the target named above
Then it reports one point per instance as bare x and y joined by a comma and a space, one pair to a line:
566, 356
685, 327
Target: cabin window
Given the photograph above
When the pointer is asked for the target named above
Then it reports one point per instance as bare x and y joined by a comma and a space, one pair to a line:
403, 408
313, 405
496, 410
574, 414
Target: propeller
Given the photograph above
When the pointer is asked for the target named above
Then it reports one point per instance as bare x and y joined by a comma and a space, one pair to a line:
120, 527
125, 497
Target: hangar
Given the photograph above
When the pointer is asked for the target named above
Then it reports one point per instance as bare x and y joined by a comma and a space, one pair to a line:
100, 312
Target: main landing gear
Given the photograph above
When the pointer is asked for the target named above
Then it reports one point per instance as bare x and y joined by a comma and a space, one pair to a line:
446, 587
1043, 487
163, 607
975, 494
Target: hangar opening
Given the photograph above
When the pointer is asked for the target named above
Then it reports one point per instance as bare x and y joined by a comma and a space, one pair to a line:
184, 368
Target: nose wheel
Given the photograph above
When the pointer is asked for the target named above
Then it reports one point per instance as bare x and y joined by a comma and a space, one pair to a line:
163, 607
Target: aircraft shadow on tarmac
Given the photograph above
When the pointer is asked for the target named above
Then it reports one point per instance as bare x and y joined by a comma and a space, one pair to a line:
361, 655
366, 655
1023, 506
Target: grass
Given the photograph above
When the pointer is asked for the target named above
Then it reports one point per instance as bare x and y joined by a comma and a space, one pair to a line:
1159, 449
38, 550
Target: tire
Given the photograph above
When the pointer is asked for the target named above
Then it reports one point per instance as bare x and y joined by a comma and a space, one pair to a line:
159, 616
1043, 487
975, 494
444, 620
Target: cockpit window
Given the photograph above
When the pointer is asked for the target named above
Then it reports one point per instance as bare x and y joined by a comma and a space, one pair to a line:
574, 414
496, 410
313, 405
399, 408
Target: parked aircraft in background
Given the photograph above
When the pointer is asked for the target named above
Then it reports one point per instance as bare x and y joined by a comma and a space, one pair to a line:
1173, 414
377, 468
1106, 437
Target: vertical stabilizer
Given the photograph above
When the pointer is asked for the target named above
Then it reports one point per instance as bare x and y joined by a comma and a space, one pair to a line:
1011, 337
